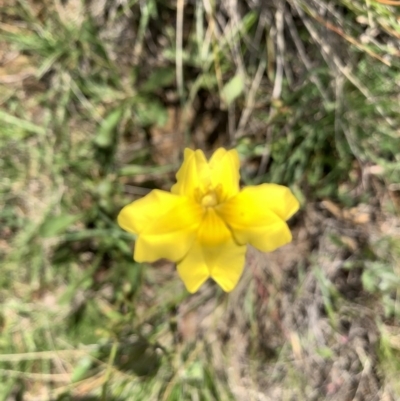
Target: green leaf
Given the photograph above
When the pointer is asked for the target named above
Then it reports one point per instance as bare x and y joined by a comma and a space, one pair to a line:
232, 89
369, 281
150, 111
139, 169
56, 225
325, 352
194, 372
159, 78
81, 369
21, 124
106, 132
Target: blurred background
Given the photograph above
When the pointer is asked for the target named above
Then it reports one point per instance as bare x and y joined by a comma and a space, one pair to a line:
99, 98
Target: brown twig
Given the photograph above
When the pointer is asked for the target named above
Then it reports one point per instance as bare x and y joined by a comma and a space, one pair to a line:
389, 2
348, 38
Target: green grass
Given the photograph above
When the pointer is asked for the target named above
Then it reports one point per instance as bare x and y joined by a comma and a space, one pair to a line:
97, 104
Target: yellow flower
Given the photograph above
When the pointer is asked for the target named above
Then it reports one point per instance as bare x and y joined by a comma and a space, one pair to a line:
206, 221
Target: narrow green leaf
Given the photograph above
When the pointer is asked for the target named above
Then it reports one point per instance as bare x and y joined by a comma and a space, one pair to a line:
57, 225
139, 169
232, 89
150, 111
81, 369
21, 124
106, 131
159, 78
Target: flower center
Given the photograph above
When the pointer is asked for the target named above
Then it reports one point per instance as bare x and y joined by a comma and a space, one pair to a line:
210, 199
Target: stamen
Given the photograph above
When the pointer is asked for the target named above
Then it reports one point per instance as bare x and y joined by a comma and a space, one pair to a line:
209, 199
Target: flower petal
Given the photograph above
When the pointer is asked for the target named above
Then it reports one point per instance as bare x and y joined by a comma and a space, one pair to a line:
224, 167
277, 198
173, 246
223, 264
166, 225
213, 230
138, 214
252, 221
214, 254
194, 174
227, 265
193, 269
